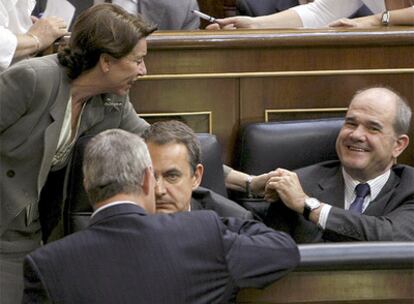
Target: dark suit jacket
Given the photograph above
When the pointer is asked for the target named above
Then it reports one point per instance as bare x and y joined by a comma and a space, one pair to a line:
127, 256
390, 217
205, 199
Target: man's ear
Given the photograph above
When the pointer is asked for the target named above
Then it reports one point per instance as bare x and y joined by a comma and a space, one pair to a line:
400, 144
198, 175
148, 182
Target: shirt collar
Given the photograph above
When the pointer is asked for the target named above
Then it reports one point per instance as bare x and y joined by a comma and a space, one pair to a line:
375, 184
110, 205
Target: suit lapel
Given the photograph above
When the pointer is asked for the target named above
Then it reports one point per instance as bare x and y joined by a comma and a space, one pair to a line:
93, 113
378, 206
195, 205
51, 135
331, 188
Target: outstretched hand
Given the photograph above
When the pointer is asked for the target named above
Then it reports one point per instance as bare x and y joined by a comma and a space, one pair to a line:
232, 23
286, 185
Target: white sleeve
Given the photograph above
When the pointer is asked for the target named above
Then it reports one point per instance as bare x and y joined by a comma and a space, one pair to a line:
322, 12
8, 44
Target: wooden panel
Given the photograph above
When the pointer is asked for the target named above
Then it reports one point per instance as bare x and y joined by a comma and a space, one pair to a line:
213, 8
220, 96
328, 287
238, 74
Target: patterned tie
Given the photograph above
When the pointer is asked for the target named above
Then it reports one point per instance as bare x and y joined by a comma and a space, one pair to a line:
362, 190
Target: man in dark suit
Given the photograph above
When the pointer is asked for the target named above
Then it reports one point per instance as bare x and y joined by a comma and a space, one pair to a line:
128, 254
365, 196
176, 157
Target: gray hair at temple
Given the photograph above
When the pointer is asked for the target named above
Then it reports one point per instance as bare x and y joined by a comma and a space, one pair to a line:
403, 113
114, 162
173, 131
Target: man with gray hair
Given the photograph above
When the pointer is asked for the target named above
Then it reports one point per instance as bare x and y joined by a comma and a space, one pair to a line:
366, 195
128, 254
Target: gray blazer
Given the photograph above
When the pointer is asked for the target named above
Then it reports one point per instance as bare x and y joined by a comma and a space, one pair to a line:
34, 95
390, 217
170, 15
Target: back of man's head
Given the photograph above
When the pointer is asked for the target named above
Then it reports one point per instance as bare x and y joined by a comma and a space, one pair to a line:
114, 163
173, 131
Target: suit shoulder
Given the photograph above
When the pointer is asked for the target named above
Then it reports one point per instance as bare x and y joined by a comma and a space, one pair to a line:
405, 173
46, 67
223, 206
319, 168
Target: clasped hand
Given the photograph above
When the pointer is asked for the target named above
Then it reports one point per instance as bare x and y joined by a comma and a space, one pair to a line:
285, 184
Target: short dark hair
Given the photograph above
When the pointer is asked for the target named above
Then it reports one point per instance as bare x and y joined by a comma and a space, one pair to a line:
103, 28
173, 131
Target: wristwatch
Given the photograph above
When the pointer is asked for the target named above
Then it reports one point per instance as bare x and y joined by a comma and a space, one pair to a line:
385, 18
311, 203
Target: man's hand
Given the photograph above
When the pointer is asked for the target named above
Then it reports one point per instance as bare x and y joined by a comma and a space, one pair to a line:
286, 185
259, 182
232, 23
47, 30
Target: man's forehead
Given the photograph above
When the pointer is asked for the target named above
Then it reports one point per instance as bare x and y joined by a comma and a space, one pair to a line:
170, 155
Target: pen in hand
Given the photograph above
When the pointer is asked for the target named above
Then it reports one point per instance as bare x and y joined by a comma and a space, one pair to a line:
204, 16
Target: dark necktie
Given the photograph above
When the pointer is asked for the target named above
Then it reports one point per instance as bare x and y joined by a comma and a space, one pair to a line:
362, 190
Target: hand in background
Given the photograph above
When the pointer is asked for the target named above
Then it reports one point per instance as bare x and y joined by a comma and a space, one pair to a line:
259, 182
232, 23
47, 30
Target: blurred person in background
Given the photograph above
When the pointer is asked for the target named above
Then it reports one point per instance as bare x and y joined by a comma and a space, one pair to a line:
22, 35
323, 13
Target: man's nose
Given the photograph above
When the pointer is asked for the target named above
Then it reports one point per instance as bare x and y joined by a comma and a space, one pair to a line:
359, 132
159, 187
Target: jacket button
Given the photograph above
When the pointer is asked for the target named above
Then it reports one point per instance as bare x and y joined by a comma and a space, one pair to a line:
10, 173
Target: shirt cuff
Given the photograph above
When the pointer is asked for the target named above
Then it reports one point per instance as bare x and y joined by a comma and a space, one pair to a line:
323, 215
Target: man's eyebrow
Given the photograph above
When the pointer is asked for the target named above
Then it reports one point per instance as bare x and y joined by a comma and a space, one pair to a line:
172, 171
376, 124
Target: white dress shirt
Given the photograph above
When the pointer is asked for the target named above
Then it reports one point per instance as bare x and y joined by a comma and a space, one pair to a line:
375, 186
110, 205
14, 19
322, 12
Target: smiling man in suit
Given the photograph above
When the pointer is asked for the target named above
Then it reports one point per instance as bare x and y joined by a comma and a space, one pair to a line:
366, 195
187, 257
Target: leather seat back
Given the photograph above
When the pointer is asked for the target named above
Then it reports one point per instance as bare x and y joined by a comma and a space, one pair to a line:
289, 144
